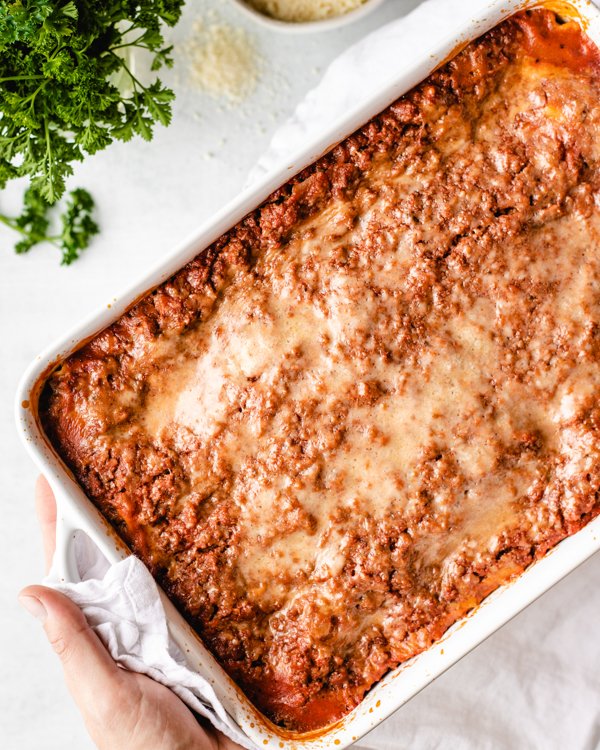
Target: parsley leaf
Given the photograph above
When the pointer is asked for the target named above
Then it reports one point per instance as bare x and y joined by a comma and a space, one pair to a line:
77, 225
61, 62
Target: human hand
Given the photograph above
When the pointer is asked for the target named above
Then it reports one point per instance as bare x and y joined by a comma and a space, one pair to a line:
122, 710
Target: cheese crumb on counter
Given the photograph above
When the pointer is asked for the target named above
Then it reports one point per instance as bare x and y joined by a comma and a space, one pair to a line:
298, 11
224, 61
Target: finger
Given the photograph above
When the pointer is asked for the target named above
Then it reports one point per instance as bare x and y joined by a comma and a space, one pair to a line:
45, 507
90, 672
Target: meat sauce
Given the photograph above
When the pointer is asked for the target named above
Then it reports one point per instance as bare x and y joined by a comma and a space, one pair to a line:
374, 400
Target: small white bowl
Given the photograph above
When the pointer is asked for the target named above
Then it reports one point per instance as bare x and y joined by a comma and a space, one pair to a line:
305, 27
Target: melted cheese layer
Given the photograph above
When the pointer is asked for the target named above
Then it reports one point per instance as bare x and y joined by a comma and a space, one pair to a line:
326, 329
375, 399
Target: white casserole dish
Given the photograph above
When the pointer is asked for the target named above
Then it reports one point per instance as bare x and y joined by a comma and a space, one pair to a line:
76, 512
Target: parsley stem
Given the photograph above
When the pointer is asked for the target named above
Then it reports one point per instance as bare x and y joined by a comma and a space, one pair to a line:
134, 43
31, 97
10, 223
129, 73
49, 157
20, 78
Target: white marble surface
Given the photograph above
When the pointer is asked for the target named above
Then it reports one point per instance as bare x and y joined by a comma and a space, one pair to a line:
534, 684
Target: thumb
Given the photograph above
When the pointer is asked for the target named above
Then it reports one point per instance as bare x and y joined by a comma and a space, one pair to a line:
90, 672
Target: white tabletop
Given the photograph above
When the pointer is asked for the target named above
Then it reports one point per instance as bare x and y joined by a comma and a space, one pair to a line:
536, 683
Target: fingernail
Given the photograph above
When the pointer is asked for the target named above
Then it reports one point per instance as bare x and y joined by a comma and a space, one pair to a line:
34, 607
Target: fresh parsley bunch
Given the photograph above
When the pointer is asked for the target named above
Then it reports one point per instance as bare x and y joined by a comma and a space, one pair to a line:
66, 90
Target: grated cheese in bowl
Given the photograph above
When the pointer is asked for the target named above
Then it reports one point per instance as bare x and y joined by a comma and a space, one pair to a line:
302, 11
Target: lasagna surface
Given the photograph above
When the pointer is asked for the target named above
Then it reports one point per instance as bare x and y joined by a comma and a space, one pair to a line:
374, 400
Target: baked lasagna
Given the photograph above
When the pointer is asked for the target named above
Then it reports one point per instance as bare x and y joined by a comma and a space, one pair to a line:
375, 399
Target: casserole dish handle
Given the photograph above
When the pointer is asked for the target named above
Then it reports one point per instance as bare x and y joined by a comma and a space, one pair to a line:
64, 563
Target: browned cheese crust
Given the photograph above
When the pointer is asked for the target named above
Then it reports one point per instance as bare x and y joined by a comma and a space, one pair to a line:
374, 400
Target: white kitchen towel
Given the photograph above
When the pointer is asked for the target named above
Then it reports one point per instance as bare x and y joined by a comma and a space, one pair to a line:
122, 602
